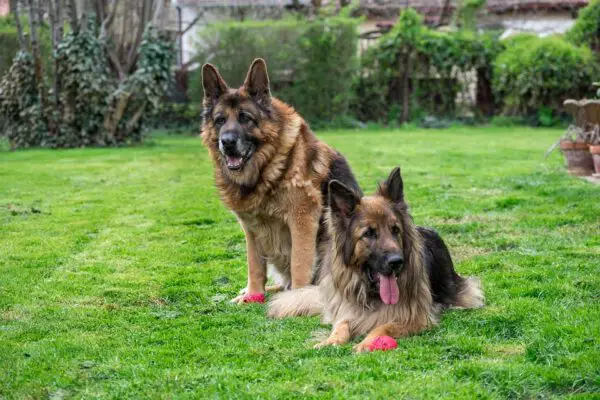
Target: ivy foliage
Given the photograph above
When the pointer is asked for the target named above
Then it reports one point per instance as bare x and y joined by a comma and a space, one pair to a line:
20, 107
144, 88
92, 108
586, 30
86, 86
542, 72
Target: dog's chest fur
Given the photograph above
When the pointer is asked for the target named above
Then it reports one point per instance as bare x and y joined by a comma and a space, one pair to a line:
272, 237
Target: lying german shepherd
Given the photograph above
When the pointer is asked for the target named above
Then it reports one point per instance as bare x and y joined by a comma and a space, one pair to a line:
382, 275
273, 172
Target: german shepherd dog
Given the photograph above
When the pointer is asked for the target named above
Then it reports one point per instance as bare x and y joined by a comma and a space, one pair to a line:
382, 275
273, 173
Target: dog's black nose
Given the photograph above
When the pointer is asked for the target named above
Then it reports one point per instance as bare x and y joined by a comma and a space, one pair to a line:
394, 262
229, 140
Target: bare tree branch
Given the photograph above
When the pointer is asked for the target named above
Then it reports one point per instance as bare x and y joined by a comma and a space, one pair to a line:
158, 9
110, 17
54, 14
73, 15
37, 57
138, 37
14, 9
194, 22
443, 13
114, 60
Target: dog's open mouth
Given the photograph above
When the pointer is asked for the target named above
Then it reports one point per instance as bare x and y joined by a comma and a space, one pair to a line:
234, 163
388, 287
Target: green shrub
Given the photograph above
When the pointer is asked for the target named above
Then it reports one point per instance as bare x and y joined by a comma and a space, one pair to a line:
437, 61
93, 109
534, 72
586, 30
178, 117
311, 63
20, 109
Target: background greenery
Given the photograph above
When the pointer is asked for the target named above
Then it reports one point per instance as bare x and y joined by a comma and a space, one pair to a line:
525, 77
311, 63
9, 43
116, 266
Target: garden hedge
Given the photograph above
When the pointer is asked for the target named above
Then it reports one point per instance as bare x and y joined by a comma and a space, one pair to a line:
439, 64
586, 30
534, 73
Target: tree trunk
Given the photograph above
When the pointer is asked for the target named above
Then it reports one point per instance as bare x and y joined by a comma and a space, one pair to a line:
406, 87
443, 13
56, 26
14, 9
74, 21
112, 119
37, 57
484, 93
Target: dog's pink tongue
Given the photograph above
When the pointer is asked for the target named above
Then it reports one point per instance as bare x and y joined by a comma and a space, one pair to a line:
388, 289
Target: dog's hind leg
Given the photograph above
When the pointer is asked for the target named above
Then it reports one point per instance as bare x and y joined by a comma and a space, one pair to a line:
470, 294
339, 336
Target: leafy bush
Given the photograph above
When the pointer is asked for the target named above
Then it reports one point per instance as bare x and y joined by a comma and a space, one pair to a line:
586, 30
92, 108
178, 117
86, 87
534, 72
311, 63
438, 64
20, 107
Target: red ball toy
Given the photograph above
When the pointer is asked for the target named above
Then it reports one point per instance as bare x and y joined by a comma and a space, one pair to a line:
383, 343
254, 298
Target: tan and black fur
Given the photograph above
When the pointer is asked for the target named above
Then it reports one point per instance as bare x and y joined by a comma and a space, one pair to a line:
272, 172
373, 241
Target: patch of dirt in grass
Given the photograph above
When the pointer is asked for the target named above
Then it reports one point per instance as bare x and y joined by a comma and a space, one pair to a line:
507, 349
14, 315
465, 252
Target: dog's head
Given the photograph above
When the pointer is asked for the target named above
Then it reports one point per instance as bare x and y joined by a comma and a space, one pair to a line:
234, 125
374, 237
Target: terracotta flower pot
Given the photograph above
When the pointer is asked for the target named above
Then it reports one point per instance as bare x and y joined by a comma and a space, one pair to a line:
578, 158
595, 152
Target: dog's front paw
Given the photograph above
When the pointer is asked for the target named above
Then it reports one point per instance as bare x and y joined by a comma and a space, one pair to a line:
361, 347
328, 342
382, 343
249, 298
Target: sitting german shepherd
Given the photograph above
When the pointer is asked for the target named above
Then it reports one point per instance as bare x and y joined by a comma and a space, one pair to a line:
273, 173
382, 275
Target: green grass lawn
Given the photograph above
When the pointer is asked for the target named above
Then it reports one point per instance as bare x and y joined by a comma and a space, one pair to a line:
116, 266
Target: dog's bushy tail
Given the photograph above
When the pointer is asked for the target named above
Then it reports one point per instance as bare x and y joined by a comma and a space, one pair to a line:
470, 294
297, 302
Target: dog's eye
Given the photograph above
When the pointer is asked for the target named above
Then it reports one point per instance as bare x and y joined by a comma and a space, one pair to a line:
370, 233
395, 230
219, 121
244, 118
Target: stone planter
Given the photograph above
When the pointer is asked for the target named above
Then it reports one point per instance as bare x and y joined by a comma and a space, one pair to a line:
586, 114
595, 152
578, 158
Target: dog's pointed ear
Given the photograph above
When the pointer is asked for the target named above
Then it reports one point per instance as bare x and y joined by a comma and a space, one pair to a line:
342, 200
257, 83
213, 84
393, 187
